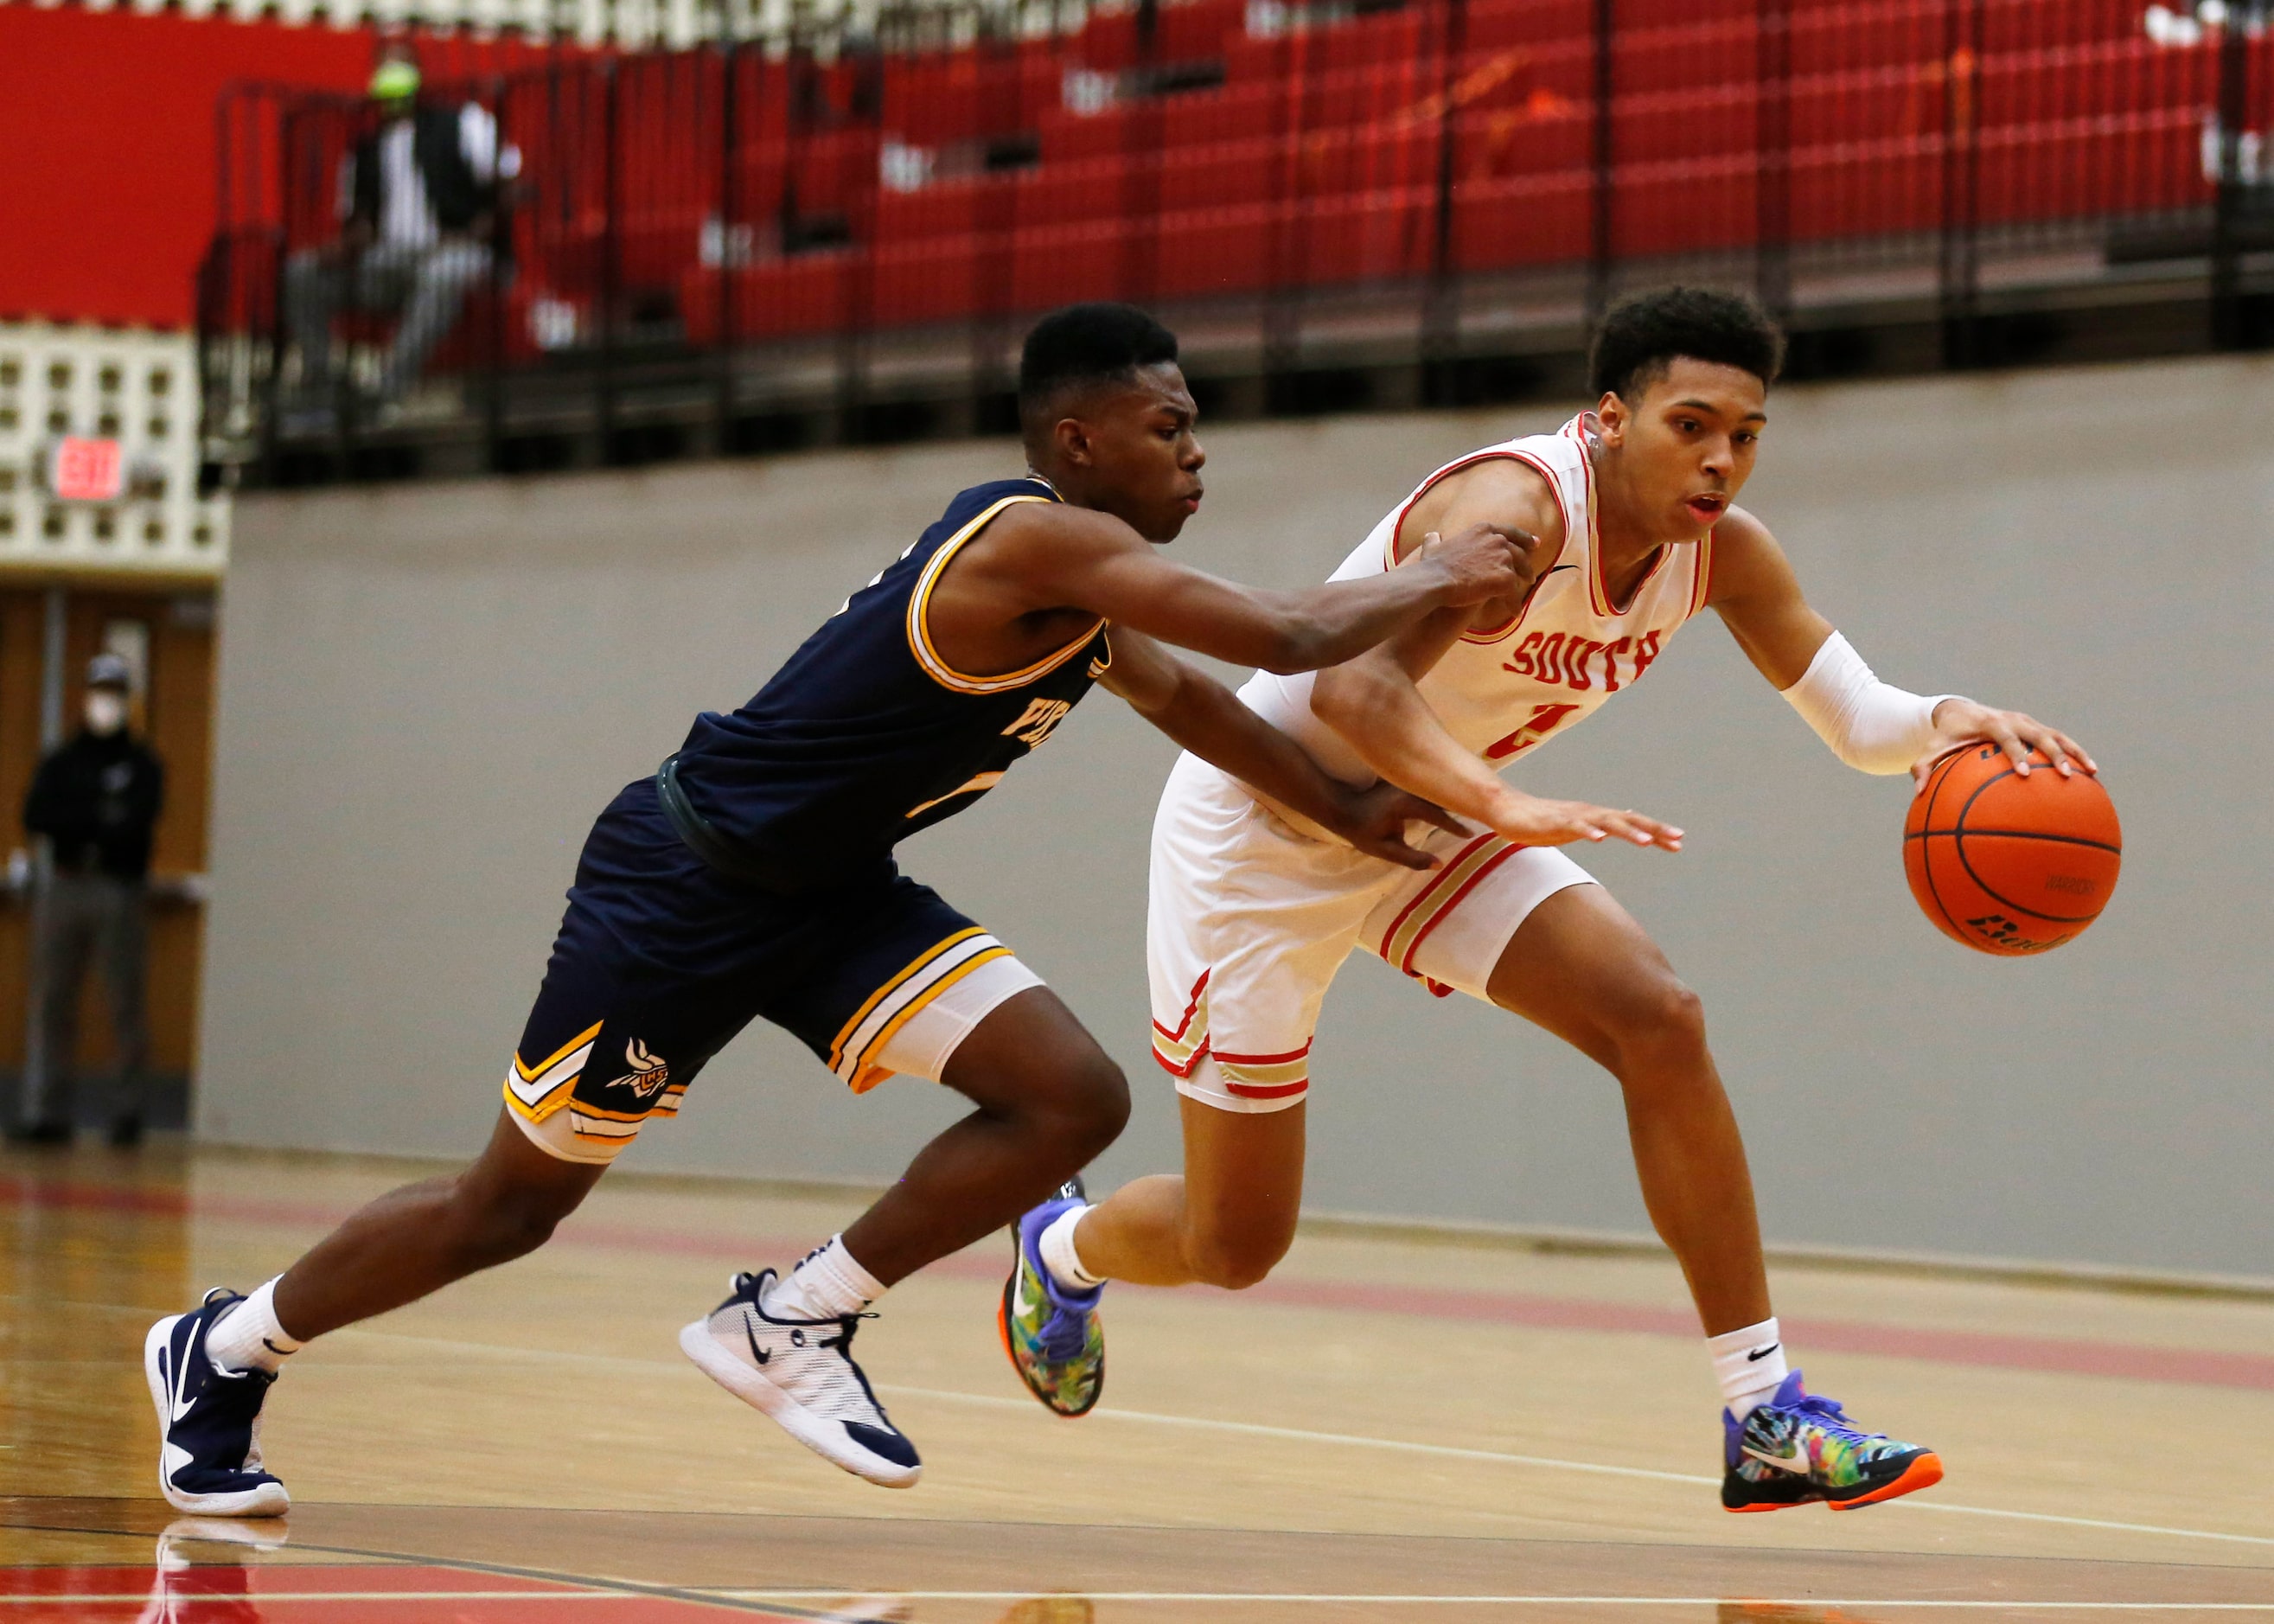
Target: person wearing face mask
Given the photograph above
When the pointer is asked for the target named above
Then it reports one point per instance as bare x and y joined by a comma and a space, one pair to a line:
95, 798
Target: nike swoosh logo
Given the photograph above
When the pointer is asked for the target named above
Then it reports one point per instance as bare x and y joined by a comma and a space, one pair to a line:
1763, 1353
178, 1406
1796, 1462
757, 1352
1023, 1304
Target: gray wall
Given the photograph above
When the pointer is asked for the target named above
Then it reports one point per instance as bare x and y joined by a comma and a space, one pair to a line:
427, 692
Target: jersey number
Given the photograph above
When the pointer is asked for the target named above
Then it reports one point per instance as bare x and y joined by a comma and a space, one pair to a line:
1545, 719
1041, 720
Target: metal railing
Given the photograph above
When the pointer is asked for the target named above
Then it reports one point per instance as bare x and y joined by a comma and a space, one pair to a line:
704, 242
628, 25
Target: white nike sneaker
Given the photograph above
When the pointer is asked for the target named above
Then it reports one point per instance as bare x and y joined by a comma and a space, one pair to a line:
800, 1372
208, 1421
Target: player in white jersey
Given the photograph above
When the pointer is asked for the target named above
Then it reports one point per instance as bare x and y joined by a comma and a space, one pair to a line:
1254, 909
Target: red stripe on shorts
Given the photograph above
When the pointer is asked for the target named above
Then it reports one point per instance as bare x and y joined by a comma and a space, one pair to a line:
1257, 1091
1189, 1065
1229, 1058
1423, 894
1199, 987
1467, 886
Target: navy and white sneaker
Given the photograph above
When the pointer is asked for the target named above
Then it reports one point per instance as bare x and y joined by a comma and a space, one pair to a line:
800, 1372
208, 1423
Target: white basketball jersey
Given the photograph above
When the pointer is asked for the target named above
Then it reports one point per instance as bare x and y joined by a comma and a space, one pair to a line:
1505, 691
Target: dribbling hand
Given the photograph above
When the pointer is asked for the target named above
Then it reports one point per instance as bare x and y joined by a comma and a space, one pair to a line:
1481, 562
1960, 722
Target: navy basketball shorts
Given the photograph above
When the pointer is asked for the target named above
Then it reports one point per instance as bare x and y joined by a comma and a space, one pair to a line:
660, 961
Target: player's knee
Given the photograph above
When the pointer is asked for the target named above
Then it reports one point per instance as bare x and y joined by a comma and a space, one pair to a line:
1073, 1105
1239, 1271
1662, 1028
499, 1223
1237, 1262
1092, 1107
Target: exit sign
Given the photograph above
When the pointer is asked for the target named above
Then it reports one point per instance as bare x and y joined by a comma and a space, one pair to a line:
80, 469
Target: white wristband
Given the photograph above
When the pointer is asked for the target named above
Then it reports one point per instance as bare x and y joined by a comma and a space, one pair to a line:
1871, 726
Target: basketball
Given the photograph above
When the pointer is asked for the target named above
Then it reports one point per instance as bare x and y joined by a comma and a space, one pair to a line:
2009, 864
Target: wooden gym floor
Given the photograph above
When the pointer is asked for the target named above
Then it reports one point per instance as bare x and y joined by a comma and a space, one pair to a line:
1385, 1430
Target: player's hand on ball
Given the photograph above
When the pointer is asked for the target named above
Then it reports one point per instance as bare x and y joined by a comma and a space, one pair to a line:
1373, 821
1534, 823
1960, 722
1483, 561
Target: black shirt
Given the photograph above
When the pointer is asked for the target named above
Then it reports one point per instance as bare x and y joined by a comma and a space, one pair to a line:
97, 797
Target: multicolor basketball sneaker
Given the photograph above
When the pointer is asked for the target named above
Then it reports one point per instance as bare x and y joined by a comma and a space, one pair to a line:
1055, 1337
1798, 1448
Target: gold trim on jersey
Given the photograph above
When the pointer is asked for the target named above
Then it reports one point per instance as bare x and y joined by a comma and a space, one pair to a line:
1700, 587
1398, 530
969, 786
1598, 600
1494, 634
537, 1092
920, 642
1599, 595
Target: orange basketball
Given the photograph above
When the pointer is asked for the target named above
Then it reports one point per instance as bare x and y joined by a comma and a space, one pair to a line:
2010, 865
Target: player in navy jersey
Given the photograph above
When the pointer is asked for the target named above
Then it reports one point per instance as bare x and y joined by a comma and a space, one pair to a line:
753, 876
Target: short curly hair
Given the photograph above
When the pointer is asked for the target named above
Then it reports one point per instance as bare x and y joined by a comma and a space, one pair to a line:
1088, 343
1640, 336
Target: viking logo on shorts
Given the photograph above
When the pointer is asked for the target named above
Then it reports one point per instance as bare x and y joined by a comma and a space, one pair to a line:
649, 1073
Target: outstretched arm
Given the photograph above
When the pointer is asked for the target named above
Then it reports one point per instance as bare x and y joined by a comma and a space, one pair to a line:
1871, 725
1058, 556
1373, 703
1208, 719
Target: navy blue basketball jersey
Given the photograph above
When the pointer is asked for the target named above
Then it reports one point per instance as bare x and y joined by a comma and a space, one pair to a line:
867, 734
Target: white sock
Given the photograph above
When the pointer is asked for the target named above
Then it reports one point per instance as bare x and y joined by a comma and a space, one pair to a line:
1059, 1256
828, 1285
248, 1338
1748, 1362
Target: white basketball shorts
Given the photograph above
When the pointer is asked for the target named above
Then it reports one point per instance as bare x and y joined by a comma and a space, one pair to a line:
1249, 919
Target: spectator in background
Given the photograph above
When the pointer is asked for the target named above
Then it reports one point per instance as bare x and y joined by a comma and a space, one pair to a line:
417, 200
95, 798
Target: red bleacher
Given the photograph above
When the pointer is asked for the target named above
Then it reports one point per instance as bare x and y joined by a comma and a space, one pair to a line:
908, 186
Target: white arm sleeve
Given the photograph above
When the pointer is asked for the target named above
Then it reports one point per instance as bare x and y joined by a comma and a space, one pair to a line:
1868, 725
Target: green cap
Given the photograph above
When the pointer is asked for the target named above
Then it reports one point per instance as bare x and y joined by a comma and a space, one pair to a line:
395, 80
